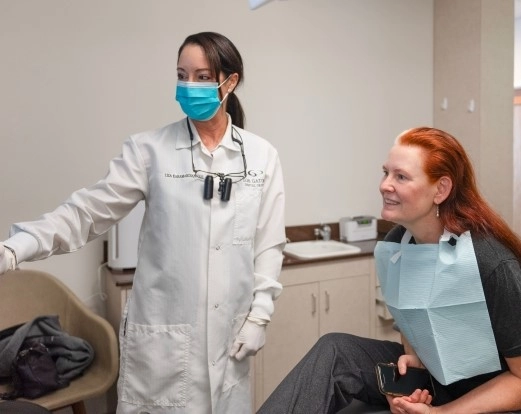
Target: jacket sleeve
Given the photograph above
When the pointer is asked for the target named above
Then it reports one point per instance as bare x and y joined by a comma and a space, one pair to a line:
87, 213
270, 239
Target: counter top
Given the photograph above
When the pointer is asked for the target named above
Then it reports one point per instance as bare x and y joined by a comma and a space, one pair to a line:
306, 232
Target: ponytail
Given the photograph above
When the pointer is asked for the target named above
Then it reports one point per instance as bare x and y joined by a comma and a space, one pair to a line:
234, 108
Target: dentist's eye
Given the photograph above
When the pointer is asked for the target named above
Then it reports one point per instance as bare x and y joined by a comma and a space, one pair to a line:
205, 77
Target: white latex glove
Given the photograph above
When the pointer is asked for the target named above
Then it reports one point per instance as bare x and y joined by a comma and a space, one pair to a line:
251, 338
7, 260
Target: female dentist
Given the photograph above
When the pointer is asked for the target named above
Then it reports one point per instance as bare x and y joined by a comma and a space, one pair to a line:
210, 247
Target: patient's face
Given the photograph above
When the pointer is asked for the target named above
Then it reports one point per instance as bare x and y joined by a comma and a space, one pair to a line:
407, 193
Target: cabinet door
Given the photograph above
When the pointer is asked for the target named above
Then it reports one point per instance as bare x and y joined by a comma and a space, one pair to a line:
292, 331
344, 306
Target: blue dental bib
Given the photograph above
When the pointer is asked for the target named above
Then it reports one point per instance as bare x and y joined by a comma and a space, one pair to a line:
435, 295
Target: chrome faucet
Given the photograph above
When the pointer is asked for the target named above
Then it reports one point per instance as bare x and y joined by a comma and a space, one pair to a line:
324, 232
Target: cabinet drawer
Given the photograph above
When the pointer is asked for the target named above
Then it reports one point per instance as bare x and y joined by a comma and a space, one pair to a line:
317, 272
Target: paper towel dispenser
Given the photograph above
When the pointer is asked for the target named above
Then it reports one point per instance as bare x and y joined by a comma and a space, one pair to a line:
123, 239
357, 228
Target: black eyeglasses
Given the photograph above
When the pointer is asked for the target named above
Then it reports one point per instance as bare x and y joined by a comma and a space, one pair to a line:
225, 180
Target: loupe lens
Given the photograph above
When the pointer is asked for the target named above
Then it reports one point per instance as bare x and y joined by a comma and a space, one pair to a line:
208, 188
226, 190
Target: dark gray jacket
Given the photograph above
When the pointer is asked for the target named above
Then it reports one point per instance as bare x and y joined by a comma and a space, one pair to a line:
71, 354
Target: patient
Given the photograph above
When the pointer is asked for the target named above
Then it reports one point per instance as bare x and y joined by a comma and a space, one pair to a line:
450, 274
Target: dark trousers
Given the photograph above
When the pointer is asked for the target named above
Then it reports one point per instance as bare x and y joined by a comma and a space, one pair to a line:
21, 407
337, 369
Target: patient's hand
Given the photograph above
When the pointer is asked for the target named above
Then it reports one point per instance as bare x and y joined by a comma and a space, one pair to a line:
416, 403
408, 361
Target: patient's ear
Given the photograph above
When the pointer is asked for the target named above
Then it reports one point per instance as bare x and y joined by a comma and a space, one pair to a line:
444, 188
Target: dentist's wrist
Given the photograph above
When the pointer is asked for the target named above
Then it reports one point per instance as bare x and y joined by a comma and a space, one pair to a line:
257, 321
12, 267
24, 244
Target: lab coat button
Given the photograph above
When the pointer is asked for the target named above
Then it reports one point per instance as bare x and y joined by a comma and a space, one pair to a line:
217, 247
213, 363
216, 306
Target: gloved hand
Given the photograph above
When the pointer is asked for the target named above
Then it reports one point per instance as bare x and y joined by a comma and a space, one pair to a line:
7, 260
251, 338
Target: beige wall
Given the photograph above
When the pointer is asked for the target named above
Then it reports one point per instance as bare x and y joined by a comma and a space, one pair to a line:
330, 83
473, 60
517, 168
517, 119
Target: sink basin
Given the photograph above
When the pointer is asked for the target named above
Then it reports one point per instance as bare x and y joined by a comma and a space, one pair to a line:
318, 249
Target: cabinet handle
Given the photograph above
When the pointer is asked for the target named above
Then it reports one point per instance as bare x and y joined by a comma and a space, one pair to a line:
327, 300
313, 304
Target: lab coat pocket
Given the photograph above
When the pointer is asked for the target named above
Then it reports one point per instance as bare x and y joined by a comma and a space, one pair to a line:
247, 204
154, 365
236, 370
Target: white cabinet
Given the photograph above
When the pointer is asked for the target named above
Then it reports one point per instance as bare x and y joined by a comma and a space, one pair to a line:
332, 296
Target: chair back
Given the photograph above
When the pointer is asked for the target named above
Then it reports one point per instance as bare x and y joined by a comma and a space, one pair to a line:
26, 294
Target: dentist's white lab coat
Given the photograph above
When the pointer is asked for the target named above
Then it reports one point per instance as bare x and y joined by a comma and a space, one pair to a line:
203, 264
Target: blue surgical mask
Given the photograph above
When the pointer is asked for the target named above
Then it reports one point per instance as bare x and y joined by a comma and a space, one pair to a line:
199, 100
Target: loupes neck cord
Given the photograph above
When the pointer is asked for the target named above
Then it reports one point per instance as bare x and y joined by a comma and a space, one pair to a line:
225, 180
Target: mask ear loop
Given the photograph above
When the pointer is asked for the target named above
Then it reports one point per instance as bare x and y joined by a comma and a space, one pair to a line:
223, 82
229, 89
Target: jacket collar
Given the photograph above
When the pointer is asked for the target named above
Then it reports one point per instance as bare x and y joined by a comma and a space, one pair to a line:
183, 136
